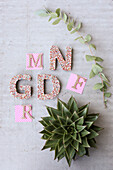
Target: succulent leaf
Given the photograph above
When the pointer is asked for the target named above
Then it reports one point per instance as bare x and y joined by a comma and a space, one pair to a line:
69, 130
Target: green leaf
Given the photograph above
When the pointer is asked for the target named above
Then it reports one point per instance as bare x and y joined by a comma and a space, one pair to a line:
43, 123
96, 128
78, 138
58, 12
61, 152
49, 144
93, 134
55, 113
56, 152
104, 77
75, 145
49, 110
72, 105
42, 13
107, 84
49, 128
45, 132
74, 136
74, 116
60, 104
56, 21
65, 112
77, 28
92, 74
59, 131
78, 38
45, 137
69, 27
89, 124
56, 136
53, 15
55, 123
92, 46
97, 68
69, 154
61, 156
92, 143
90, 58
80, 121
107, 95
47, 120
85, 143
84, 111
92, 117
99, 59
64, 17
73, 31
68, 143
82, 40
70, 151
80, 128
66, 137
81, 151
98, 86
50, 19
88, 38
85, 133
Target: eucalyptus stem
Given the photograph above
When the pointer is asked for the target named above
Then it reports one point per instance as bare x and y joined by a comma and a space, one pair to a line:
97, 69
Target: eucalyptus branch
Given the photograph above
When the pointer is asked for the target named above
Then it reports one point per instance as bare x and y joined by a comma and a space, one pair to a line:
97, 69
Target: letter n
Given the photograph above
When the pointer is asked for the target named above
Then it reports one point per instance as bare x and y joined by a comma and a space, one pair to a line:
56, 54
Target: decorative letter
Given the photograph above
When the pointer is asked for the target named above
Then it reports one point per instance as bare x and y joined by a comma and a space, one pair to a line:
26, 88
76, 83
56, 86
36, 59
23, 113
55, 53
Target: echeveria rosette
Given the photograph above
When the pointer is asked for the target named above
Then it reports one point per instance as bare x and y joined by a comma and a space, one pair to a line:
69, 130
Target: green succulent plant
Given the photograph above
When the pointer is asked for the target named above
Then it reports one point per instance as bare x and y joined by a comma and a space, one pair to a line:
69, 130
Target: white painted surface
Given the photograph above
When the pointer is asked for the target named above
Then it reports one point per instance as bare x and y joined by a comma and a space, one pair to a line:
21, 32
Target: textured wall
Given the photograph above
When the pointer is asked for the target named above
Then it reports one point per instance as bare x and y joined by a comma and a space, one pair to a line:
21, 32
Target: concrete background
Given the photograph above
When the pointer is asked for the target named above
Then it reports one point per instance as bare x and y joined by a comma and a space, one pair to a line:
21, 32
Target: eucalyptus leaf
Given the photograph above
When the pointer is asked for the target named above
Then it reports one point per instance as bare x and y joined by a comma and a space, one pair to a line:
88, 38
104, 77
98, 86
92, 74
42, 13
82, 41
56, 21
50, 19
69, 27
53, 15
99, 59
97, 68
58, 12
90, 58
65, 17
77, 38
107, 95
92, 46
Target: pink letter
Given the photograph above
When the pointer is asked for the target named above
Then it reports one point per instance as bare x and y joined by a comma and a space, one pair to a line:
56, 86
55, 53
27, 88
76, 83
36, 59
23, 113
